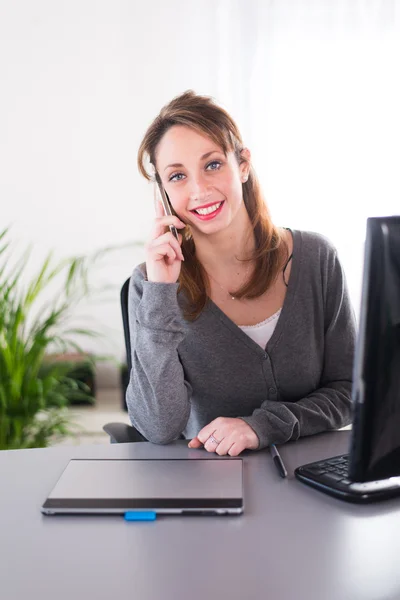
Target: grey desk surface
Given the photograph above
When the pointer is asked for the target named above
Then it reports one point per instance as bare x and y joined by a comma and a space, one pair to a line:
291, 542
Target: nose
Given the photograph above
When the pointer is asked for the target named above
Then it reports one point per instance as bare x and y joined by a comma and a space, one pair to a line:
199, 190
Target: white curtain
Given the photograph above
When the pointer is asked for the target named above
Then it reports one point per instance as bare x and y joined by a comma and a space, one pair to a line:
315, 85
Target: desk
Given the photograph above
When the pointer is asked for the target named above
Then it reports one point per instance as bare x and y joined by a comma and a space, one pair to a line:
292, 542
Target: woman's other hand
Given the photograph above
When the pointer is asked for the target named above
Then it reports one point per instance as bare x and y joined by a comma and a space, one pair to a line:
226, 436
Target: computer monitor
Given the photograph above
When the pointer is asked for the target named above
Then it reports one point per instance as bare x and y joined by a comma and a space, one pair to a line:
375, 440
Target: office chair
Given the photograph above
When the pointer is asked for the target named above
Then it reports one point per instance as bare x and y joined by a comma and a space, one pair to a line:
121, 433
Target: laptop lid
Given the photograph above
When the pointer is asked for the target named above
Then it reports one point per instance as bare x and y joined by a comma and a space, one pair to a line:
210, 486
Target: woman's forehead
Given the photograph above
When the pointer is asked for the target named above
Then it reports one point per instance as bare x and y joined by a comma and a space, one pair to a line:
180, 142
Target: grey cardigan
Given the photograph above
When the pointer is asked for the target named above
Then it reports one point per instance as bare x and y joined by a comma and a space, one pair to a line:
185, 374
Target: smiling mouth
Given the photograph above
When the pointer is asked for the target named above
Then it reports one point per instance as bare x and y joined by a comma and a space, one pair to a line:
208, 210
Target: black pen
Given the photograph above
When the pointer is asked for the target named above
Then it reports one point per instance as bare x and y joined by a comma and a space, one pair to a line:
278, 461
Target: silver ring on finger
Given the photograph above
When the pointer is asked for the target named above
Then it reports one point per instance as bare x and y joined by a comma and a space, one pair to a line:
214, 440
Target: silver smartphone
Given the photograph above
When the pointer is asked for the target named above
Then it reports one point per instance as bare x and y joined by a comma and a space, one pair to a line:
167, 208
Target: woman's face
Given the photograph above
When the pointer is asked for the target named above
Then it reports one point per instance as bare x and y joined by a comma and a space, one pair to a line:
203, 185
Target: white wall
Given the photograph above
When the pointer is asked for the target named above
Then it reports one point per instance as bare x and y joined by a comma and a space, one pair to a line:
80, 82
313, 85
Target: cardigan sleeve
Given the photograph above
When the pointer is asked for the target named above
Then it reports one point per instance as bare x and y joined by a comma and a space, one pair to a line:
158, 397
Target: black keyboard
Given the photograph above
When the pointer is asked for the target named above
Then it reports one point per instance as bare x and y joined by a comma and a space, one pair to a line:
331, 476
330, 470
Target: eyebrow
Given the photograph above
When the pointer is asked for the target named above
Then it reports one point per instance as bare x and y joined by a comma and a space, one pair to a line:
206, 155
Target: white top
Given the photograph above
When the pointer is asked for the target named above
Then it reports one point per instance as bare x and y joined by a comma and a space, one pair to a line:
262, 332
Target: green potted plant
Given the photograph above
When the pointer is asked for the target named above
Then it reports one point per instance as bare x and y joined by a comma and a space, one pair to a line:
35, 387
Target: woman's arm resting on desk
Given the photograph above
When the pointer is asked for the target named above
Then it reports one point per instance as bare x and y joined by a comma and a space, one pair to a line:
157, 395
278, 422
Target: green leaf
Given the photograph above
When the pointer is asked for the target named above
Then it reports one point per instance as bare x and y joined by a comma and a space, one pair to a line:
35, 389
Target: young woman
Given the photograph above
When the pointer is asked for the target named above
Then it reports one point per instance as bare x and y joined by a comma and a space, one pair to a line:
242, 333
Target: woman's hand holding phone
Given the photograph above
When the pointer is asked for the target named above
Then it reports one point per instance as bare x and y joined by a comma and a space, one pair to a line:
163, 251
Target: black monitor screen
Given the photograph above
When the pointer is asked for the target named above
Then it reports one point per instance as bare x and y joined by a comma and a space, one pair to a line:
376, 383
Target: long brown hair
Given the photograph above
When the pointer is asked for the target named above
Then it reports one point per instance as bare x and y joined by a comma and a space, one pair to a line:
202, 114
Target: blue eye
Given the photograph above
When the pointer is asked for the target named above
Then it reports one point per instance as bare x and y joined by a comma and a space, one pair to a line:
214, 162
173, 177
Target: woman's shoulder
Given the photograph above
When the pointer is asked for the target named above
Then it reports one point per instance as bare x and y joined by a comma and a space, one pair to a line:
314, 244
318, 257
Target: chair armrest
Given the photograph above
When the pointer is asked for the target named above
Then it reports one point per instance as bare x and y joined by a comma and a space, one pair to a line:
121, 433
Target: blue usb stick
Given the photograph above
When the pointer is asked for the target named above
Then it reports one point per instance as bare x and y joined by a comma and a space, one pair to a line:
140, 516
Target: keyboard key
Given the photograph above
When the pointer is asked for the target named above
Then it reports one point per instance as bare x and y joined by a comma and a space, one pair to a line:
315, 471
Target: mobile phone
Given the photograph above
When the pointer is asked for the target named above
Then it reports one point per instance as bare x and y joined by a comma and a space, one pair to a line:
167, 208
